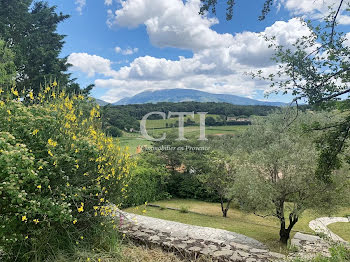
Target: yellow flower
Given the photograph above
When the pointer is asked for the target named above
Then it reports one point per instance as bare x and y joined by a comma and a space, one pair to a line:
81, 208
54, 83
39, 186
9, 112
88, 259
15, 92
81, 237
53, 95
26, 237
1, 91
35, 132
24, 218
47, 89
36, 221
40, 167
49, 152
52, 143
102, 200
31, 96
75, 221
68, 184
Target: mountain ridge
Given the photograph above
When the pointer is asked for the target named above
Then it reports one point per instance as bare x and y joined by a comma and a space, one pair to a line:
186, 95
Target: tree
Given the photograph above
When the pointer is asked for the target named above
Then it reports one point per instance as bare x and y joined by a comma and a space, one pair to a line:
7, 66
277, 172
30, 29
220, 178
317, 70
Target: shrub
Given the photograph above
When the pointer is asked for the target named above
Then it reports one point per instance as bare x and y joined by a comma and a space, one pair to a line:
148, 181
114, 131
58, 173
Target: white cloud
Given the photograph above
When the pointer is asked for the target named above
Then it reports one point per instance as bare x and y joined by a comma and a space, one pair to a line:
80, 5
316, 9
91, 64
171, 23
108, 2
347, 41
127, 51
218, 70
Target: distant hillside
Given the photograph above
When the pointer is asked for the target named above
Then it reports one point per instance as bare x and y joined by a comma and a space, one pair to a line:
101, 102
184, 95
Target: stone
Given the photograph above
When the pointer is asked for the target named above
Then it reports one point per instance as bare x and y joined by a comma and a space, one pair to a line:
222, 253
306, 237
181, 246
243, 253
240, 246
206, 251
250, 259
255, 250
276, 255
154, 238
236, 257
194, 249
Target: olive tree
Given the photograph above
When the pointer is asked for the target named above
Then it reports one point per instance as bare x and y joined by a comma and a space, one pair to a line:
219, 178
277, 175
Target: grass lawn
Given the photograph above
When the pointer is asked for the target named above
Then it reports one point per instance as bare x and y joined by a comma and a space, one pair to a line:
209, 215
341, 229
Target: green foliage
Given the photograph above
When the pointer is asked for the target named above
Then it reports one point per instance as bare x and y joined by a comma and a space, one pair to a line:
148, 181
114, 131
30, 30
277, 165
58, 173
184, 209
339, 253
7, 66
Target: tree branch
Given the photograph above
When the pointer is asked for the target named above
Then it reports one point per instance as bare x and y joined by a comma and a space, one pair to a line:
334, 20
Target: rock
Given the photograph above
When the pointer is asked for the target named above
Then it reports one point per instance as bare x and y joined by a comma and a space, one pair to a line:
255, 250
236, 257
276, 255
181, 246
243, 254
251, 259
240, 246
222, 253
154, 238
306, 237
194, 249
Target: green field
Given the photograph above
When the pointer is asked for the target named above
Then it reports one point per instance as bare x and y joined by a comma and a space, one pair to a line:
160, 123
209, 215
133, 140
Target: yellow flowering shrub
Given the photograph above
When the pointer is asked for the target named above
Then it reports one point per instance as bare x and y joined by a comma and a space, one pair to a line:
59, 172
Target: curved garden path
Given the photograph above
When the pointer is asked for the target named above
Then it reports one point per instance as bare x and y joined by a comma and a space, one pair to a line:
319, 225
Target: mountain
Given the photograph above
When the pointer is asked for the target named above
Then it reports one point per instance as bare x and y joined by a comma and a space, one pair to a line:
101, 102
183, 95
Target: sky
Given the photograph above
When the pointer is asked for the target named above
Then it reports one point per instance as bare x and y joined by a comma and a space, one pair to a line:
125, 47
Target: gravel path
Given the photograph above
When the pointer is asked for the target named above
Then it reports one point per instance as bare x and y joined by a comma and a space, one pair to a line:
319, 225
196, 232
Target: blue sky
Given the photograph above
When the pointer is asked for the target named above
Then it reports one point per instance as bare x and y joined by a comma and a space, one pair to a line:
126, 47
